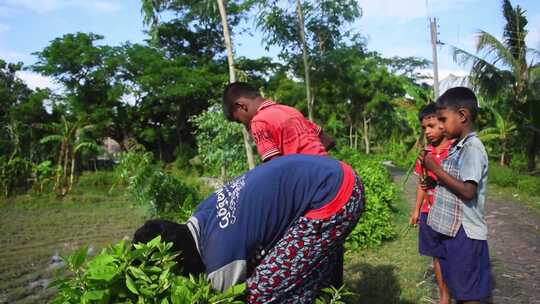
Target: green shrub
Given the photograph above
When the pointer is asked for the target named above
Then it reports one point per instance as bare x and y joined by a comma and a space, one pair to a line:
500, 176
220, 143
144, 273
375, 225
15, 173
529, 185
166, 195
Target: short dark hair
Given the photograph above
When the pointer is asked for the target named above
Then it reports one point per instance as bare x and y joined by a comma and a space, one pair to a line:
429, 110
232, 92
459, 97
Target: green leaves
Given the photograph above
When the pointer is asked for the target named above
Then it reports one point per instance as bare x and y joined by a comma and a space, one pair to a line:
379, 192
142, 273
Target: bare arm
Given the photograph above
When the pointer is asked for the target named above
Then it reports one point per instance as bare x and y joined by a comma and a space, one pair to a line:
420, 194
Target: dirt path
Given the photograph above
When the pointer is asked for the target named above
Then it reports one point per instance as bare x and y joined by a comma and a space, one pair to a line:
514, 243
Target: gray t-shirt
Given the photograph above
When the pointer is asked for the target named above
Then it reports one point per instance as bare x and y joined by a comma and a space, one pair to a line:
473, 166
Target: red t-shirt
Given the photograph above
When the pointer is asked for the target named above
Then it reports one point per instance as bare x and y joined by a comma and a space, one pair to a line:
280, 130
438, 157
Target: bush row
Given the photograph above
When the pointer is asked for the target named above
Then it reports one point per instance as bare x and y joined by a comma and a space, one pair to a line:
375, 225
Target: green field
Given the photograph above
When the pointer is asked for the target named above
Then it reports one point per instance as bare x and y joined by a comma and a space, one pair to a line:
37, 227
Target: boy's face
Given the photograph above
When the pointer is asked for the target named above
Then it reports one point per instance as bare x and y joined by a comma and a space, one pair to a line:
241, 112
432, 128
451, 121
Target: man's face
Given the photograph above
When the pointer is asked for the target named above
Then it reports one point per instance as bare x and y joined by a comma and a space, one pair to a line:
433, 129
451, 121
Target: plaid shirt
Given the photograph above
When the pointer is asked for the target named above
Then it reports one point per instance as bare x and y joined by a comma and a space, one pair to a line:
446, 214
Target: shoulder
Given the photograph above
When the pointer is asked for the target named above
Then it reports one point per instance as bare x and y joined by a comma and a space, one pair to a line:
474, 149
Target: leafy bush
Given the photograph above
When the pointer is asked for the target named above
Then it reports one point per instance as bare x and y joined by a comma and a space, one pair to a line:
148, 184
529, 185
507, 177
375, 224
42, 174
167, 195
144, 273
500, 176
219, 143
15, 173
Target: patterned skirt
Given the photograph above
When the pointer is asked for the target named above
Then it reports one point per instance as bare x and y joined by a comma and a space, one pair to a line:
304, 259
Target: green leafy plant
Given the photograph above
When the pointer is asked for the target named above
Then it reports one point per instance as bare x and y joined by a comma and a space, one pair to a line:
14, 173
42, 174
375, 224
142, 273
333, 295
148, 184
219, 143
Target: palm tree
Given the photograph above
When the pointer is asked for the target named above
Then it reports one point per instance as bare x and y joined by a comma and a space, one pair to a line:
502, 131
68, 135
501, 70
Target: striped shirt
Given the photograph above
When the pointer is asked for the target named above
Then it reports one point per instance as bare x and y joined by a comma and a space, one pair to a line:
446, 214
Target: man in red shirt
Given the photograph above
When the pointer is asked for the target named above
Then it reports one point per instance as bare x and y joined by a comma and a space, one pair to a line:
276, 129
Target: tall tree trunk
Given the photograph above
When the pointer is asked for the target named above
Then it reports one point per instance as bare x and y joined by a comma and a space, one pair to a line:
63, 184
232, 77
366, 134
531, 152
502, 161
59, 165
309, 98
351, 136
356, 139
72, 170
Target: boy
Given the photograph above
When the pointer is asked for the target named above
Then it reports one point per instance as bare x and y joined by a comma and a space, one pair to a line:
276, 129
458, 212
438, 147
299, 208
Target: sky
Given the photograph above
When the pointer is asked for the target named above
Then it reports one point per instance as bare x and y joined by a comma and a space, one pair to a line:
393, 27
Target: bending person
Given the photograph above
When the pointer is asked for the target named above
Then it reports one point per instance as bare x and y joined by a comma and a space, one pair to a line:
292, 212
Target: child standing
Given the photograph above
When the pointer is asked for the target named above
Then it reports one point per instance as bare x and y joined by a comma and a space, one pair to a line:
458, 212
437, 147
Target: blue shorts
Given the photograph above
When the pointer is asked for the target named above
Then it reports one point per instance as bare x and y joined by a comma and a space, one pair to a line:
429, 241
466, 267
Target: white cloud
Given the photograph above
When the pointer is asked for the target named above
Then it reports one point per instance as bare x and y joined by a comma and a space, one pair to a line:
35, 80
47, 6
401, 11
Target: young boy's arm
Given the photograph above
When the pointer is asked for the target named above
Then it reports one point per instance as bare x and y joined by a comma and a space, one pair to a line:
420, 194
466, 190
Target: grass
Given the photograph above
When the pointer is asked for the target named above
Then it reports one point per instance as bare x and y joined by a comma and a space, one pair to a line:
509, 184
393, 272
35, 227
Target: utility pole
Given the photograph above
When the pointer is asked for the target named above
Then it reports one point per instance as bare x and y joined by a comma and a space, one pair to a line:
434, 42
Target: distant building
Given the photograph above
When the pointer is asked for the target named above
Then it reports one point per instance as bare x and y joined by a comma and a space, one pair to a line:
454, 81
